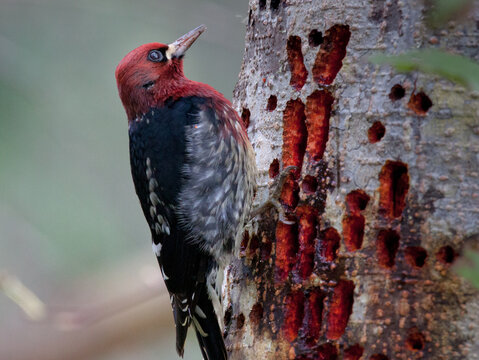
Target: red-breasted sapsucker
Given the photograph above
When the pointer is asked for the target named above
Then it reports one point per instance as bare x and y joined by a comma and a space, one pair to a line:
194, 172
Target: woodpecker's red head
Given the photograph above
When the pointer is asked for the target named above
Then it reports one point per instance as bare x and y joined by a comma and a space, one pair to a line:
153, 72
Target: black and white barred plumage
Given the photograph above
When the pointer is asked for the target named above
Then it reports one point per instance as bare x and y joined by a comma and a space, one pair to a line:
193, 169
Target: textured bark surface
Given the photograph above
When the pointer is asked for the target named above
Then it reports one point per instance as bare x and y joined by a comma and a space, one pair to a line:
386, 197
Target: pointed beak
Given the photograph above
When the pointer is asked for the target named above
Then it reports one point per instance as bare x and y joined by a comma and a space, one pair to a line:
178, 48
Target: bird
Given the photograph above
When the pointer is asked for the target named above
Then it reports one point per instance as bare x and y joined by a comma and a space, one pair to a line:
193, 169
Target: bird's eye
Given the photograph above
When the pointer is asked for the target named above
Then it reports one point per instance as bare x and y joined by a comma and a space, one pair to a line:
155, 56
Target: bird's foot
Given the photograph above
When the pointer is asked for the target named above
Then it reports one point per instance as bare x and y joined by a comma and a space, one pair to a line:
273, 199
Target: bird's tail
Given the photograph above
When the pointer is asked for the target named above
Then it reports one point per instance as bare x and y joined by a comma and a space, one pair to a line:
200, 312
207, 329
182, 322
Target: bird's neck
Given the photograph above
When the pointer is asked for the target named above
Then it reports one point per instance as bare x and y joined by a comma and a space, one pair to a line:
180, 87
165, 90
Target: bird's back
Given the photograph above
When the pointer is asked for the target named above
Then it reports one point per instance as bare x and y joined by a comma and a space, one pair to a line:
158, 154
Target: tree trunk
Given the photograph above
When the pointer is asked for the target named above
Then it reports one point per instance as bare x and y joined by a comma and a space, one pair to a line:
385, 197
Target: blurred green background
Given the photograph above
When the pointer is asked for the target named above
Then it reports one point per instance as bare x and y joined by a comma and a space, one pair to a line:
68, 211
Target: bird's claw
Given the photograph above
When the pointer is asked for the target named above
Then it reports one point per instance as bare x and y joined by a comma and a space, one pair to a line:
273, 199
280, 180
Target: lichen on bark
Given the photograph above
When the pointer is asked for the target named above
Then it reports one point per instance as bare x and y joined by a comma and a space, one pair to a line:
399, 204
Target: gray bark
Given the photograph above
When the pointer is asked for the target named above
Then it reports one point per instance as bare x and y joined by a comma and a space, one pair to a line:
400, 207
